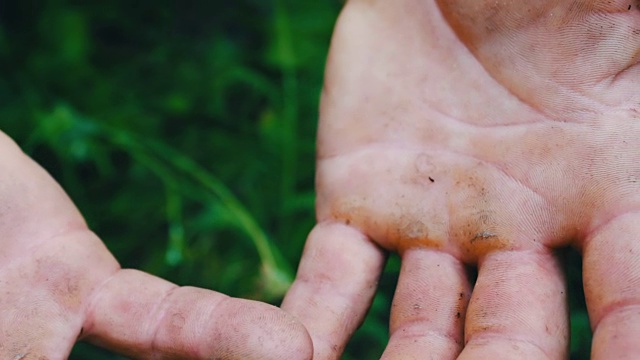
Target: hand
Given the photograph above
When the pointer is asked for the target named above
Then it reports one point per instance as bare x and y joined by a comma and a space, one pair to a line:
60, 284
482, 133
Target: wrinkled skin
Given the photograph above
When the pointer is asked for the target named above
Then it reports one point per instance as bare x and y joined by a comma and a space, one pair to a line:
483, 133
59, 283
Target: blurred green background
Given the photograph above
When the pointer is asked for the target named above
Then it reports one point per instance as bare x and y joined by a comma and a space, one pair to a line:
184, 131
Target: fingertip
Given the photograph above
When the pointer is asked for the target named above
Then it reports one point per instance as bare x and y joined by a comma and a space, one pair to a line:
269, 332
204, 324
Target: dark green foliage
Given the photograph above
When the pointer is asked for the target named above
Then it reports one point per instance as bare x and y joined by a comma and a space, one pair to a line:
184, 131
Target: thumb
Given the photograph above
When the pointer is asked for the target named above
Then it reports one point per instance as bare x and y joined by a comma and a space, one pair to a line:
143, 316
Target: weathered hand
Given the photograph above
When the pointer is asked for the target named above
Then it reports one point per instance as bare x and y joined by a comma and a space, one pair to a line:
59, 283
478, 132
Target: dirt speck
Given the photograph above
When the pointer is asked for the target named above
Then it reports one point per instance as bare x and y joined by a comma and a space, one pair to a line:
483, 235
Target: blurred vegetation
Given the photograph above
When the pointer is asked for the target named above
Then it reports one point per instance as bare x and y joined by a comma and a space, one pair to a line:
184, 131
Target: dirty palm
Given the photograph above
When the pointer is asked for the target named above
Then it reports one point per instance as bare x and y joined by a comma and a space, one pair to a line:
478, 133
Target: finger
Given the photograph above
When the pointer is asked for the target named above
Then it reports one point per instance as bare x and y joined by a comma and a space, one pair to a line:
335, 285
612, 288
518, 309
429, 307
145, 317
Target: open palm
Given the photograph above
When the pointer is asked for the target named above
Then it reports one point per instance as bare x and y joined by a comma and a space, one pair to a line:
483, 133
